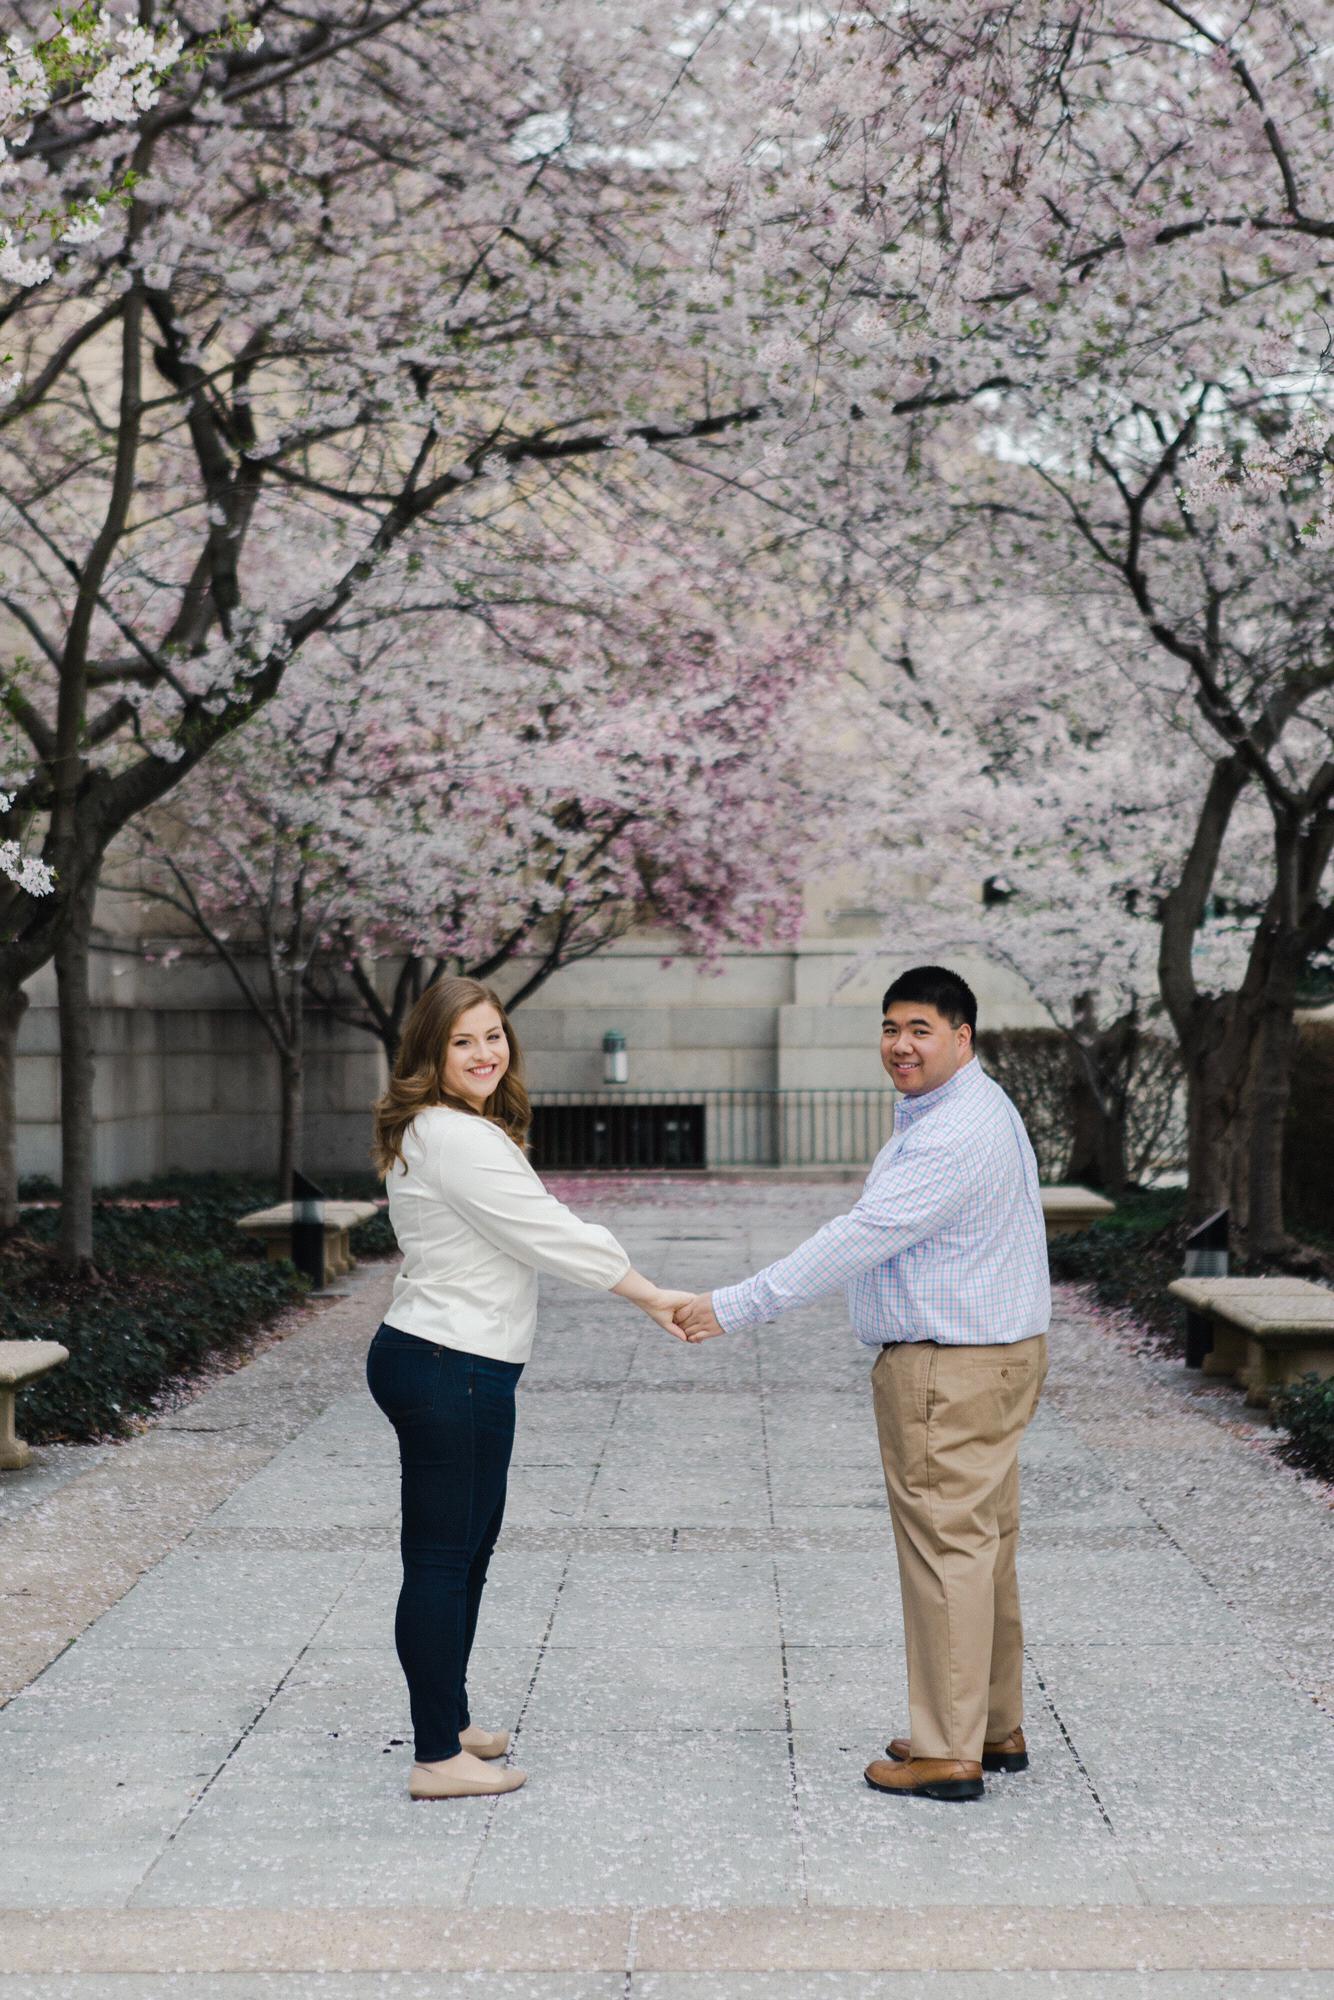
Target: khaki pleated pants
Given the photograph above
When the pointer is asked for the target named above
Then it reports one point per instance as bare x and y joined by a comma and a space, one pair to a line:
949, 1421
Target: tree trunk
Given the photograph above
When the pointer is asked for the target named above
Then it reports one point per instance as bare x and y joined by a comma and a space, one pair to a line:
1270, 1086
1214, 1086
75, 1242
1238, 1060
1112, 1175
1084, 1166
292, 1074
1098, 1136
13, 1006
292, 1105
1101, 1065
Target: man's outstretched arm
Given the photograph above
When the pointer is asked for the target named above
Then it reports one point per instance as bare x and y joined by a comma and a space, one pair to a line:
908, 1202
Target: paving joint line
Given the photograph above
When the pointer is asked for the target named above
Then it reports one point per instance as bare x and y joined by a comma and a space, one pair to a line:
794, 1789
1059, 1720
631, 1955
1194, 1564
545, 1640
246, 1733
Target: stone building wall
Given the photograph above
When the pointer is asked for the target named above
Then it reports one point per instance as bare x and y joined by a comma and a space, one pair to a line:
186, 1079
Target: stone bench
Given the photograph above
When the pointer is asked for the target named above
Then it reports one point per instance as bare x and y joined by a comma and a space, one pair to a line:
1067, 1210
273, 1226
21, 1361
1267, 1332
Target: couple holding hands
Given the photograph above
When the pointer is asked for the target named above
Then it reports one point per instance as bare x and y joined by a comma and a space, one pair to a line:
943, 1264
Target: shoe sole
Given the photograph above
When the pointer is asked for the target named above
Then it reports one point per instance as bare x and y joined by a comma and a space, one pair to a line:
943, 1788
443, 1798
996, 1760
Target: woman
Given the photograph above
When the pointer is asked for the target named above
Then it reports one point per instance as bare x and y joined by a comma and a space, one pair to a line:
475, 1226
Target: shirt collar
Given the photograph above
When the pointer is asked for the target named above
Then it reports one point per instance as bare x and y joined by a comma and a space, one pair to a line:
909, 1109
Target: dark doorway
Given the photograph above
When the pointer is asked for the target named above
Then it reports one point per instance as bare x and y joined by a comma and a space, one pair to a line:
618, 1135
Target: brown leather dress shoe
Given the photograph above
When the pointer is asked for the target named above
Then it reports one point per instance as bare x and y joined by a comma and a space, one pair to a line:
1008, 1753
926, 1778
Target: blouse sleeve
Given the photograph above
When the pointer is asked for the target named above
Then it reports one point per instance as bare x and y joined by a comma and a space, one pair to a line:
487, 1181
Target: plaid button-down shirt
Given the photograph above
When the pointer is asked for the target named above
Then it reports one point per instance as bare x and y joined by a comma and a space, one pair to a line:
947, 1242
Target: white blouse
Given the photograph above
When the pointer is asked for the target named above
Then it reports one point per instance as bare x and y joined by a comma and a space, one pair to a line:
475, 1226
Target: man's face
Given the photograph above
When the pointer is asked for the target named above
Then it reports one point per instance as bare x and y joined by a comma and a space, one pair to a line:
920, 1049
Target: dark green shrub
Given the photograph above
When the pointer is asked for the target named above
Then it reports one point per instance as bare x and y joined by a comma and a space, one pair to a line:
374, 1238
1129, 1260
1306, 1411
131, 1329
173, 1285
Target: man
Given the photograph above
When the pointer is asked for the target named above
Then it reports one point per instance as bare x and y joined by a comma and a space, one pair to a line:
944, 1265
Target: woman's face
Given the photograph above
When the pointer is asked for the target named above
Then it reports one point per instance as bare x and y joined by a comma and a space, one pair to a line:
477, 1056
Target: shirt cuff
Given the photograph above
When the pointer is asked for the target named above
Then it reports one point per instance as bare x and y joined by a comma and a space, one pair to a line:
629, 1266
732, 1308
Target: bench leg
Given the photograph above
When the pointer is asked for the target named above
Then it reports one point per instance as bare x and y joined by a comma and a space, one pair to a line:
1257, 1378
1228, 1353
1279, 1368
14, 1454
1199, 1338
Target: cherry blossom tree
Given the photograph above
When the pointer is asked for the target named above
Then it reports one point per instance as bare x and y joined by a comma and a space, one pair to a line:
1132, 805
806, 263
585, 767
1047, 835
393, 255
105, 71
114, 71
1091, 242
1232, 592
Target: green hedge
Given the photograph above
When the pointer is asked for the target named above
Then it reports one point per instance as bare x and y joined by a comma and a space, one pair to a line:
1306, 1411
1130, 1259
171, 1288
130, 1335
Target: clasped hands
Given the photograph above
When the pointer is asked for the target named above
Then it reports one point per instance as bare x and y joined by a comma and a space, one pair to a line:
694, 1319
687, 1315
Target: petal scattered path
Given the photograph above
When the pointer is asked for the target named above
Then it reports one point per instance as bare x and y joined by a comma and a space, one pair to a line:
693, 1622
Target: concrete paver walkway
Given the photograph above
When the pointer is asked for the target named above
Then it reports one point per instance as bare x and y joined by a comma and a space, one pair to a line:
693, 1620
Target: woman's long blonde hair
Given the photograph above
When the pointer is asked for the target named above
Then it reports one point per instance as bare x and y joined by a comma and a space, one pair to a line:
418, 1076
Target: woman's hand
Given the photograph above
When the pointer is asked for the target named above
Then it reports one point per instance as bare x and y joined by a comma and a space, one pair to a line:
656, 1301
662, 1307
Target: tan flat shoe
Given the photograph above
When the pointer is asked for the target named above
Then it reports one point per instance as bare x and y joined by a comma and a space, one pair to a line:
463, 1778
484, 1743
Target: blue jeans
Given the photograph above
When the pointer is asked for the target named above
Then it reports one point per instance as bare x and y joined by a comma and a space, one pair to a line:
454, 1415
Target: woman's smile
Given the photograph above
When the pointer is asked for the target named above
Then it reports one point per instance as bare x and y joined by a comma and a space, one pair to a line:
477, 1056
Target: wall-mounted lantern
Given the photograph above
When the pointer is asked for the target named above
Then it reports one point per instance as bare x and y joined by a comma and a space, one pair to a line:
615, 1062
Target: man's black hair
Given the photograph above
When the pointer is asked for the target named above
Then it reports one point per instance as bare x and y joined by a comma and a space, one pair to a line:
934, 986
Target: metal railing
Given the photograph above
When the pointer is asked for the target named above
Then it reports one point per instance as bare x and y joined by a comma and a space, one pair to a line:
627, 1130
